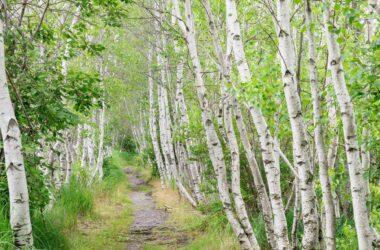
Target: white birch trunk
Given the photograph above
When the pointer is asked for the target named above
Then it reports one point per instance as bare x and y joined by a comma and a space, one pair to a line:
79, 141
161, 99
357, 180
68, 161
230, 104
91, 146
166, 87
300, 140
329, 230
371, 22
66, 53
153, 124
99, 163
14, 162
184, 123
258, 179
85, 140
60, 170
213, 143
296, 212
235, 170
333, 146
181, 109
266, 140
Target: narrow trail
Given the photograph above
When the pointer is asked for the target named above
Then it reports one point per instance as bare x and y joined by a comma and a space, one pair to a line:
150, 229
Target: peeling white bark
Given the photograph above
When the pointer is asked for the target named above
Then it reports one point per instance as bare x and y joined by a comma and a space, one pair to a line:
153, 124
329, 229
300, 141
14, 162
333, 146
357, 180
187, 156
213, 143
99, 163
235, 169
266, 140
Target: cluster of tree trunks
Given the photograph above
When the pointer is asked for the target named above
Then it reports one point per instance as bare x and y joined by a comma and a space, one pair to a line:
174, 158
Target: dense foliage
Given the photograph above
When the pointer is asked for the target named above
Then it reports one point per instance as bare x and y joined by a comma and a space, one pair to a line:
69, 61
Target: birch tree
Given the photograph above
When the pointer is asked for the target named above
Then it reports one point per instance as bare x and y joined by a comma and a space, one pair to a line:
14, 162
153, 124
300, 141
266, 140
213, 142
225, 67
357, 181
329, 230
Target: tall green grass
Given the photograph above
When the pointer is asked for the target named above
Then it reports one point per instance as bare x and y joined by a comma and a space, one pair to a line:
5, 232
51, 228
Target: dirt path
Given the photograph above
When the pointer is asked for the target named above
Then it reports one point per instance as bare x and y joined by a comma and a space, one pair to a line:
149, 228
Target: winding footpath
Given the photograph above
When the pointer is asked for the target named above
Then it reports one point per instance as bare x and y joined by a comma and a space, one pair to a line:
150, 227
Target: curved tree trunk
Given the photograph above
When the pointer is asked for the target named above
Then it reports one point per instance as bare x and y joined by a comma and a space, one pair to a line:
357, 180
235, 168
266, 140
213, 143
153, 124
329, 230
184, 123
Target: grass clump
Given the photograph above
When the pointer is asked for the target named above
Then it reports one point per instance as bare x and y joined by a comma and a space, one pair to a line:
209, 231
5, 231
52, 228
107, 226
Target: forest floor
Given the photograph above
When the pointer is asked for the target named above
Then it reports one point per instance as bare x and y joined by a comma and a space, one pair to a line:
131, 218
139, 214
150, 228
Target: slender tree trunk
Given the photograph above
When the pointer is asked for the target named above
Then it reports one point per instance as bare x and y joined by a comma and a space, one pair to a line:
161, 99
85, 140
231, 102
78, 141
66, 53
100, 160
357, 180
296, 212
333, 146
166, 88
266, 140
371, 22
235, 170
329, 230
153, 124
184, 123
300, 140
213, 143
14, 162
258, 180
102, 114
60, 171
69, 161
91, 146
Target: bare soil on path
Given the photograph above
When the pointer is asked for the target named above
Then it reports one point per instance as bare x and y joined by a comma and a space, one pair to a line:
150, 228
